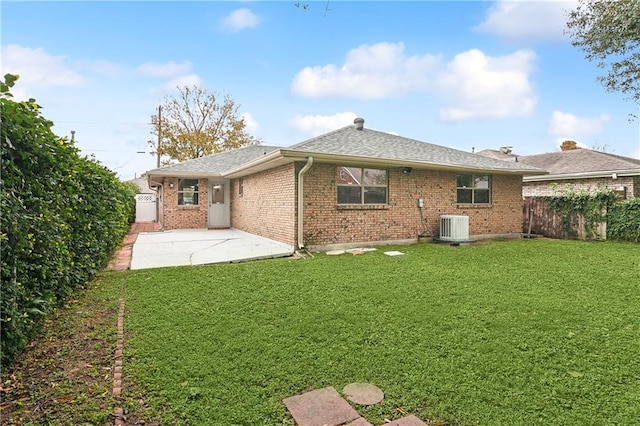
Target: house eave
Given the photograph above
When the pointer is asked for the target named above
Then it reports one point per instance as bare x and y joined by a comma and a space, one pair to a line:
266, 162
348, 160
182, 174
613, 174
286, 156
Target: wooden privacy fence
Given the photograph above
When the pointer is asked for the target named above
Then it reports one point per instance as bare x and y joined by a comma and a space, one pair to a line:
540, 219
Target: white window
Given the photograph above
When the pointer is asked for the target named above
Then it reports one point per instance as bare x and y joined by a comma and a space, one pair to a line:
188, 192
357, 185
473, 189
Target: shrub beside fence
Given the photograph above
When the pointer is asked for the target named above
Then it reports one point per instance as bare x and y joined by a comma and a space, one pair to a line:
623, 221
62, 218
583, 216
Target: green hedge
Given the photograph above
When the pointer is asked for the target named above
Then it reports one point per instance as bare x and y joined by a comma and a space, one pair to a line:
623, 221
62, 218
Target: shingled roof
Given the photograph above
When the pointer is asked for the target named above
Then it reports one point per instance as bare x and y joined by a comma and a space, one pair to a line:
351, 144
216, 164
372, 144
579, 161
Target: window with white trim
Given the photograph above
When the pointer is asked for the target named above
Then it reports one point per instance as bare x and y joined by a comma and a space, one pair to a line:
473, 189
356, 185
188, 192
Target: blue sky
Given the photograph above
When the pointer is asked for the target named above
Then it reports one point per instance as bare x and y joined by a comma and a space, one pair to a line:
468, 75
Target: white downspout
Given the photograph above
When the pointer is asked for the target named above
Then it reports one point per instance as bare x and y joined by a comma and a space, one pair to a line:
301, 201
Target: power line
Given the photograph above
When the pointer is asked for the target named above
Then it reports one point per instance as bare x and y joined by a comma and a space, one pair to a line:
112, 150
100, 123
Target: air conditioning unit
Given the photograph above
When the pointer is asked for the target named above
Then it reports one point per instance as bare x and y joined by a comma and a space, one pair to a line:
454, 228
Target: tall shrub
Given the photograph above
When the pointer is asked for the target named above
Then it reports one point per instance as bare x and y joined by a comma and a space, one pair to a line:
62, 217
623, 221
591, 206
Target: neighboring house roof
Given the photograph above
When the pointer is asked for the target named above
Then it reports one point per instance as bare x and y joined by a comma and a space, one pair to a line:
142, 184
350, 145
498, 155
581, 163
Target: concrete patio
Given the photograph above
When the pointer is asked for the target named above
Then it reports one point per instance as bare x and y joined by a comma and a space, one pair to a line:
180, 247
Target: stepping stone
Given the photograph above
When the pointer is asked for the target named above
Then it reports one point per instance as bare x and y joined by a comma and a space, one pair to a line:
393, 253
363, 393
335, 252
359, 422
361, 250
355, 252
322, 407
407, 421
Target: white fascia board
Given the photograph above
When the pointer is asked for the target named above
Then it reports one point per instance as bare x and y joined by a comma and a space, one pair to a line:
347, 160
583, 175
183, 174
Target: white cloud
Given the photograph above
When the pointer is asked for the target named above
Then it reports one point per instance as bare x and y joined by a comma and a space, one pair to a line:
168, 69
370, 72
181, 81
475, 85
318, 124
37, 68
239, 19
564, 125
526, 19
251, 125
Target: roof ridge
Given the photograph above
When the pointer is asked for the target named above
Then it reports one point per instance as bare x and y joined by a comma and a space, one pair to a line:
590, 151
294, 146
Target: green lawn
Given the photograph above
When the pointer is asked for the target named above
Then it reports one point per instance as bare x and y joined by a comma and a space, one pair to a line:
507, 333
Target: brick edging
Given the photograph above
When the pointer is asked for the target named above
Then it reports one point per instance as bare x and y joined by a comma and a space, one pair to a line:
118, 412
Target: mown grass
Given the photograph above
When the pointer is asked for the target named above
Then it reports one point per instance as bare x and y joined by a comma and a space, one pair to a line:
506, 333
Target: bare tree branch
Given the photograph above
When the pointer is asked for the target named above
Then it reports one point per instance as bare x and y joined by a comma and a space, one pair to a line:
195, 124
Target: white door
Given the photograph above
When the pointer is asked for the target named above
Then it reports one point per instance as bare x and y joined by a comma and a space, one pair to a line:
219, 203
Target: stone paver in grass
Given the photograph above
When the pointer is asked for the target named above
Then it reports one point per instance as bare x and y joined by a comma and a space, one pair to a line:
319, 408
359, 422
407, 421
363, 393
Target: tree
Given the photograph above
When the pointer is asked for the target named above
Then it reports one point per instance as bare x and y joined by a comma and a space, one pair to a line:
609, 33
196, 123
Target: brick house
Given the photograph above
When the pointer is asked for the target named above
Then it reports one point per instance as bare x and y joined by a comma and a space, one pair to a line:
349, 187
577, 169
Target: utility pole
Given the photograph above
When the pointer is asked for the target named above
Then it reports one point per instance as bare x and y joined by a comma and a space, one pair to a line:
159, 124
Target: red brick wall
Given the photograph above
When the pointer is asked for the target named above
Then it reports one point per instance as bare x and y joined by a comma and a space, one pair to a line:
181, 217
547, 189
268, 207
327, 223
268, 204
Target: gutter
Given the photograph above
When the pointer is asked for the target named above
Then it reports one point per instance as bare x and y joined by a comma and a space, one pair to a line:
301, 201
284, 156
613, 174
347, 160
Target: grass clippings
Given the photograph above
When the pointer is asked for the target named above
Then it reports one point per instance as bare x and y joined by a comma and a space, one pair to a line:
65, 375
